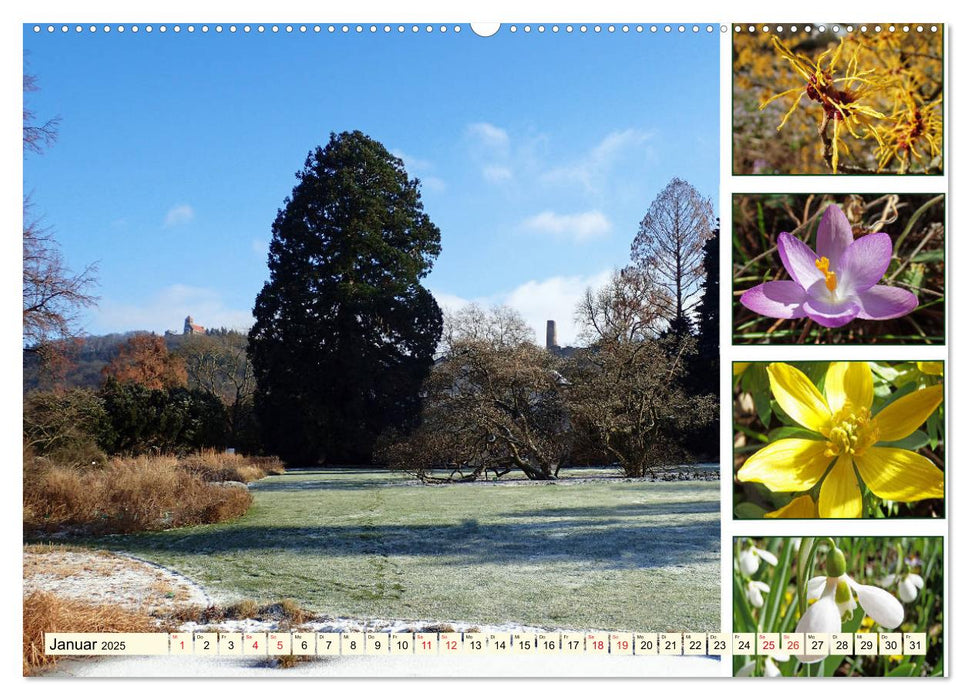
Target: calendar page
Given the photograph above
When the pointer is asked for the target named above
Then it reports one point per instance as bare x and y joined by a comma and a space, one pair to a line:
377, 343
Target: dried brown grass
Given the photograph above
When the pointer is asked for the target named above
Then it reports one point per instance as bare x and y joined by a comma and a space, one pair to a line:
127, 495
287, 611
211, 465
46, 612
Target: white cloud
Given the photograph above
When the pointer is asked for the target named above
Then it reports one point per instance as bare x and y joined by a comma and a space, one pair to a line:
496, 173
490, 136
593, 169
167, 310
538, 301
179, 214
412, 162
422, 169
580, 227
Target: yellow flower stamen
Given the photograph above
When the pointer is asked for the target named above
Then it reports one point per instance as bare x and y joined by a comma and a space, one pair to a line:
822, 264
851, 431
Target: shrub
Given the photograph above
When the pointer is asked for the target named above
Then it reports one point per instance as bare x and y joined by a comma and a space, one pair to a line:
161, 420
127, 495
65, 426
212, 465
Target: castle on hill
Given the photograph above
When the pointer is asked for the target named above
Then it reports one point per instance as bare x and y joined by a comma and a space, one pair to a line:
189, 328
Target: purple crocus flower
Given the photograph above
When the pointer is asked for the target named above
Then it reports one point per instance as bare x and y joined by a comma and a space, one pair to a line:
837, 283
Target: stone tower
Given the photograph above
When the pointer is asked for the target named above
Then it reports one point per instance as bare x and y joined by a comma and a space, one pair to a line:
551, 335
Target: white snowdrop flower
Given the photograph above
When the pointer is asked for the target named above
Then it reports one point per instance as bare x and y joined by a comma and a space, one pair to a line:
909, 587
834, 596
755, 591
771, 670
746, 670
748, 559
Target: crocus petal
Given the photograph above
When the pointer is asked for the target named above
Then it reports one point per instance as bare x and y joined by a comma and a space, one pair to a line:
839, 496
834, 235
791, 464
828, 312
882, 302
771, 670
767, 557
799, 507
864, 263
849, 382
915, 579
815, 587
780, 299
905, 415
822, 617
880, 605
900, 475
799, 260
798, 397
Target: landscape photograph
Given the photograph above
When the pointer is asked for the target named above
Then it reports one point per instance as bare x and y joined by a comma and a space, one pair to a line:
370, 329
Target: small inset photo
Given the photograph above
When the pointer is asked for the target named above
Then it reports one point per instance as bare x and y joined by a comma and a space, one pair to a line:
844, 606
848, 269
838, 439
838, 99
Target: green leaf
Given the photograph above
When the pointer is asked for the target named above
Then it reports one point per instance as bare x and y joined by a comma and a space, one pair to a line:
792, 432
777, 588
936, 255
743, 616
906, 669
749, 511
763, 407
912, 442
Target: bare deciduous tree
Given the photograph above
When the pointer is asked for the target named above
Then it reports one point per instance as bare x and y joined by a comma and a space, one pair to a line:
669, 249
626, 392
493, 403
499, 326
53, 294
37, 137
219, 365
628, 308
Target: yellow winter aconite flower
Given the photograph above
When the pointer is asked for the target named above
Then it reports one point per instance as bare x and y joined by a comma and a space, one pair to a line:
851, 446
798, 507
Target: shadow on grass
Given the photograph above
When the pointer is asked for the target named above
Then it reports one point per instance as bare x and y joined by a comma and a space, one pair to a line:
606, 543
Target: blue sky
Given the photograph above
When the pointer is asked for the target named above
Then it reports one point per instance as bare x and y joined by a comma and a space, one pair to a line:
538, 154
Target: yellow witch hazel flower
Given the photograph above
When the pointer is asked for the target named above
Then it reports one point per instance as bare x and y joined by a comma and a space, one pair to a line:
852, 444
842, 97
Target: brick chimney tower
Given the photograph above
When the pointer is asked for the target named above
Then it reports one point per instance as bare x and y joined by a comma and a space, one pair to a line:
551, 334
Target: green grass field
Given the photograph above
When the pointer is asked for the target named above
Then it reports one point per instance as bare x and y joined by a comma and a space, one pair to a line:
601, 554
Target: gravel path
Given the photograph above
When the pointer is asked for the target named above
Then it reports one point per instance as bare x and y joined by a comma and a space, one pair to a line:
98, 577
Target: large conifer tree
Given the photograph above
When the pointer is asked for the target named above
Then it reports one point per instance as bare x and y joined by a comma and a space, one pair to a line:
345, 332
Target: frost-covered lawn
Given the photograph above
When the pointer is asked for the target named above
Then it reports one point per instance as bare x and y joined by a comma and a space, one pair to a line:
575, 554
